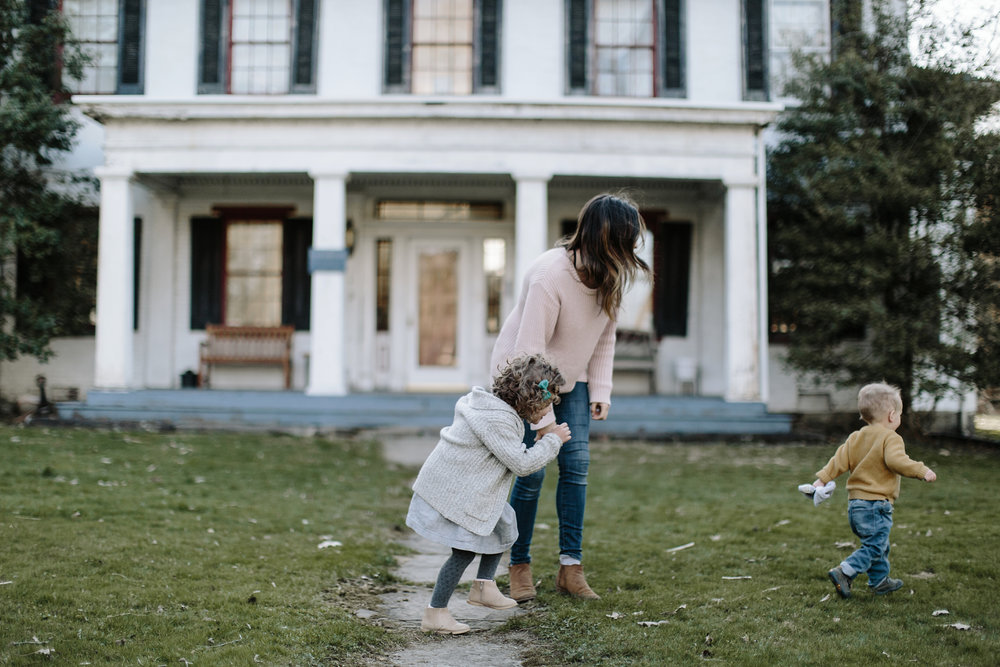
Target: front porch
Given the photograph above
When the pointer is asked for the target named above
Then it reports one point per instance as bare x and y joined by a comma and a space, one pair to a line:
631, 416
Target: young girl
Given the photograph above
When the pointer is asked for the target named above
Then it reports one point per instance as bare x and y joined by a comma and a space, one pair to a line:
460, 495
567, 310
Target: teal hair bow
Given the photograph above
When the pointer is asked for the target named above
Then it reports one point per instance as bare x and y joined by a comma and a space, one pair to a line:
544, 385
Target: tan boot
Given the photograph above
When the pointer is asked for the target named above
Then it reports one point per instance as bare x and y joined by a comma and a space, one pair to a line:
572, 582
484, 593
441, 622
522, 587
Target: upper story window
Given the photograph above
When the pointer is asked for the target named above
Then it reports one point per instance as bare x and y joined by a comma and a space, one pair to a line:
755, 48
258, 47
626, 48
797, 26
442, 47
110, 33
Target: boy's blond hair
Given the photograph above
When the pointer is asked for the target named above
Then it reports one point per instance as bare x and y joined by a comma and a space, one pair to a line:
877, 399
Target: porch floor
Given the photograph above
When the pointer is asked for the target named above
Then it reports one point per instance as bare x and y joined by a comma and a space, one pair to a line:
630, 416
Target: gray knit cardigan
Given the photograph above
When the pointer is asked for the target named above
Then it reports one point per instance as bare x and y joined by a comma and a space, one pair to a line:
467, 477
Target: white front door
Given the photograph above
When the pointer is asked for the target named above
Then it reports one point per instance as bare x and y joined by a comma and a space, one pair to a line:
438, 300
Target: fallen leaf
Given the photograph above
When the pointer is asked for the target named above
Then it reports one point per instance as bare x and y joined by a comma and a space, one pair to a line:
715, 538
959, 626
783, 522
651, 623
923, 575
940, 612
681, 547
614, 615
844, 545
329, 543
825, 598
708, 640
745, 576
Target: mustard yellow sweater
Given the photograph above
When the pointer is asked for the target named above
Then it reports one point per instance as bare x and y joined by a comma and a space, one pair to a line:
876, 458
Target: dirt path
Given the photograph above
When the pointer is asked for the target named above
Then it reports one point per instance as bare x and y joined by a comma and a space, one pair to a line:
402, 610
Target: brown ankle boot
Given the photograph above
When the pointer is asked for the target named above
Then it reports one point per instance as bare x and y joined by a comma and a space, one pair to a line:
522, 587
572, 582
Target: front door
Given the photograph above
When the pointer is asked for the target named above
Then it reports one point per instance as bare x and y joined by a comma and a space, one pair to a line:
437, 346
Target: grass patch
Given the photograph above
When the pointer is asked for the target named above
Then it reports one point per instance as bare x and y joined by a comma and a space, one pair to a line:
740, 507
145, 548
151, 549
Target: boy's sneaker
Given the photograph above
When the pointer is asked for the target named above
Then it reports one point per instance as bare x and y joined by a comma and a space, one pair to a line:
843, 583
888, 585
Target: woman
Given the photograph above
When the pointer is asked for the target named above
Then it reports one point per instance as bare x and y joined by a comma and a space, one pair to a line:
567, 311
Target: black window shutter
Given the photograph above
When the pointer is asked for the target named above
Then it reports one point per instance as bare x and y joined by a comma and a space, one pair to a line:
207, 265
396, 38
304, 49
136, 266
489, 46
755, 52
673, 48
211, 76
672, 268
296, 283
130, 50
577, 45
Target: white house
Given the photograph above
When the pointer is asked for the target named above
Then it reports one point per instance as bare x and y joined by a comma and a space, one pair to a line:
379, 173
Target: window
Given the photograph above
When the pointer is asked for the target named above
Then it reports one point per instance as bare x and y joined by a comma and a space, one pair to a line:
383, 278
258, 47
755, 84
797, 26
494, 268
442, 47
438, 211
110, 33
625, 48
250, 268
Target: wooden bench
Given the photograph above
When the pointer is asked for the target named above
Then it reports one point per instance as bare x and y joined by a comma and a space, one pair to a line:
246, 346
635, 351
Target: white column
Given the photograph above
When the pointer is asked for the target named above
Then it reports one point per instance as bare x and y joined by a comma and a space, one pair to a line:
531, 224
113, 336
742, 322
327, 257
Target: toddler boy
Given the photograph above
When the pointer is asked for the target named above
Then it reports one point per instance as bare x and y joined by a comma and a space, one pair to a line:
876, 458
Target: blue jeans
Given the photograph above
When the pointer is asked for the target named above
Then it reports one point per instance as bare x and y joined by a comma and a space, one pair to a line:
871, 520
571, 492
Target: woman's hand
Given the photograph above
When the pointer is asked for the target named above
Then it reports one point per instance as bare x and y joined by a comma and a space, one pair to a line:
599, 411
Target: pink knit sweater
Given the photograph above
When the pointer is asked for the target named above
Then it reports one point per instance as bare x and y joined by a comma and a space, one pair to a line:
558, 316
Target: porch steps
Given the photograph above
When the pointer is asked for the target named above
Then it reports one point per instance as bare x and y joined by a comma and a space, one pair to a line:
630, 416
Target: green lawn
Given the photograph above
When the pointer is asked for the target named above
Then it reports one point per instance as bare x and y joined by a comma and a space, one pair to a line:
150, 549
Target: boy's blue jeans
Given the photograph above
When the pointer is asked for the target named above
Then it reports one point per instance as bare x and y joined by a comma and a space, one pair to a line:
571, 492
871, 520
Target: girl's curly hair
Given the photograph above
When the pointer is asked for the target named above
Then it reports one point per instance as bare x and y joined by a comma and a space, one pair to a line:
522, 385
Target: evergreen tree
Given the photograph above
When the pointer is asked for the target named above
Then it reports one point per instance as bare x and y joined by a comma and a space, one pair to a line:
47, 239
883, 234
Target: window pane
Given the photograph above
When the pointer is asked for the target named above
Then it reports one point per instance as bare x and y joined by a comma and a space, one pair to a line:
624, 47
383, 277
494, 267
261, 47
442, 47
95, 25
253, 273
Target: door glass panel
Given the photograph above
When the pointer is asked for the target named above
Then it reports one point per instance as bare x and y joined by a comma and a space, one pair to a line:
494, 267
438, 307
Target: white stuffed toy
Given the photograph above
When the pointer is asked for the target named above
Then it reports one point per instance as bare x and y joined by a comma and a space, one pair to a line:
818, 492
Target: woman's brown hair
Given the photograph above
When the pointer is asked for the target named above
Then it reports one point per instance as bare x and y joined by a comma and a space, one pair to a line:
603, 247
